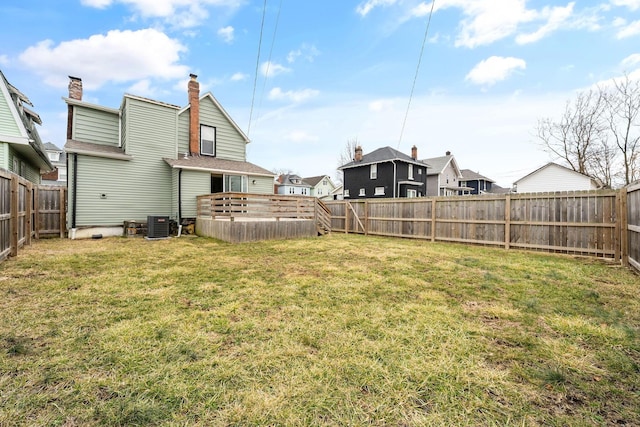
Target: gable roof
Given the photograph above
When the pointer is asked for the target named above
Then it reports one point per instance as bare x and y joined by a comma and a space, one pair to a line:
51, 146
288, 179
438, 164
314, 180
223, 111
21, 120
381, 155
566, 169
469, 175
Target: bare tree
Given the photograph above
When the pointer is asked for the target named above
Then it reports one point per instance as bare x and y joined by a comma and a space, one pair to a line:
623, 117
346, 156
580, 135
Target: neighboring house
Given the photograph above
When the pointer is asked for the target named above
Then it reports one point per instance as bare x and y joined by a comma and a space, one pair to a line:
478, 184
58, 159
321, 186
553, 177
21, 150
292, 184
151, 158
337, 193
444, 176
384, 173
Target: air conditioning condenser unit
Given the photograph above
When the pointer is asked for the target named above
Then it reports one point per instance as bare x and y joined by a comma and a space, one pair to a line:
157, 227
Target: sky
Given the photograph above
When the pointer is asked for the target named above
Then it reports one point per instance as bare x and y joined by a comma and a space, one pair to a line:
303, 77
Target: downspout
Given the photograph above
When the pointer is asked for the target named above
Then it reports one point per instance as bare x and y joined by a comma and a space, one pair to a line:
74, 204
179, 196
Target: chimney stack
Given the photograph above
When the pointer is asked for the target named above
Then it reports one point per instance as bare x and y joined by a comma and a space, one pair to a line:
194, 115
75, 88
414, 152
75, 92
448, 153
357, 155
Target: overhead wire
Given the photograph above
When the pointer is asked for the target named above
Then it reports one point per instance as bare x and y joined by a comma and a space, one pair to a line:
255, 79
273, 41
415, 78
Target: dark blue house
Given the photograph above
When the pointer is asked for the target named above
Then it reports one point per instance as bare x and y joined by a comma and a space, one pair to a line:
479, 184
384, 173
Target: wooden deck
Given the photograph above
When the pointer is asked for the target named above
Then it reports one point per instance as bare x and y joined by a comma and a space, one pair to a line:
242, 217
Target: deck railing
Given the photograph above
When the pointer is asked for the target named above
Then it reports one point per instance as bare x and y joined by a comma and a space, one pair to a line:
234, 206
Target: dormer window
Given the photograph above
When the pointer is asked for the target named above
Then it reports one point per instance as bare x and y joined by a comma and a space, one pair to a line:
207, 140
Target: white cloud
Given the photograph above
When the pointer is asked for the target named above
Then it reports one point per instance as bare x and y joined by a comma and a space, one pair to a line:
226, 34
306, 51
380, 105
556, 17
301, 136
271, 69
100, 4
4, 60
118, 56
494, 69
180, 13
619, 22
293, 96
487, 21
239, 77
365, 7
631, 4
142, 88
631, 60
632, 29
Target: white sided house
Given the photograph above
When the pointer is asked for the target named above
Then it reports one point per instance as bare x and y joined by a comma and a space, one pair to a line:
553, 177
151, 158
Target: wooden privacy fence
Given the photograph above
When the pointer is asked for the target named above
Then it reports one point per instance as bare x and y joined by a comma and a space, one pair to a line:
631, 235
28, 211
570, 222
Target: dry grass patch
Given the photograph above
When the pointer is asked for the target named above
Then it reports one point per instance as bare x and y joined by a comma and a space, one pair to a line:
339, 330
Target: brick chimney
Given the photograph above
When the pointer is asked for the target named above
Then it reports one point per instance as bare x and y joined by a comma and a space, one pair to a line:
357, 155
414, 152
75, 92
75, 88
194, 115
448, 153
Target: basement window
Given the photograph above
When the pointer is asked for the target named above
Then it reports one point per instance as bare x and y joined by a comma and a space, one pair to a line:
207, 140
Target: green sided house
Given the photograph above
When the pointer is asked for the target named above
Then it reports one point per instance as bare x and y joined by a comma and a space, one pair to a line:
21, 150
150, 158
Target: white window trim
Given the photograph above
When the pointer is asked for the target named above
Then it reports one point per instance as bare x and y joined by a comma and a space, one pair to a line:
410, 172
363, 192
346, 193
213, 148
379, 191
373, 171
411, 193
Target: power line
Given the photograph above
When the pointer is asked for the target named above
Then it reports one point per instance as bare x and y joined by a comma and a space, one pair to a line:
255, 79
273, 41
415, 78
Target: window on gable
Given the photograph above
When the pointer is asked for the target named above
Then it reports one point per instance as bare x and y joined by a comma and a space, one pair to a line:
207, 140
373, 174
410, 172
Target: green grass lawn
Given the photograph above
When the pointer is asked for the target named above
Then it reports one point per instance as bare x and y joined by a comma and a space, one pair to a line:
338, 330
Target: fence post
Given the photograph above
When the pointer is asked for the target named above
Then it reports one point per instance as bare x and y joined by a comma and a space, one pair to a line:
433, 220
623, 225
14, 216
28, 209
507, 221
366, 217
346, 217
63, 211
